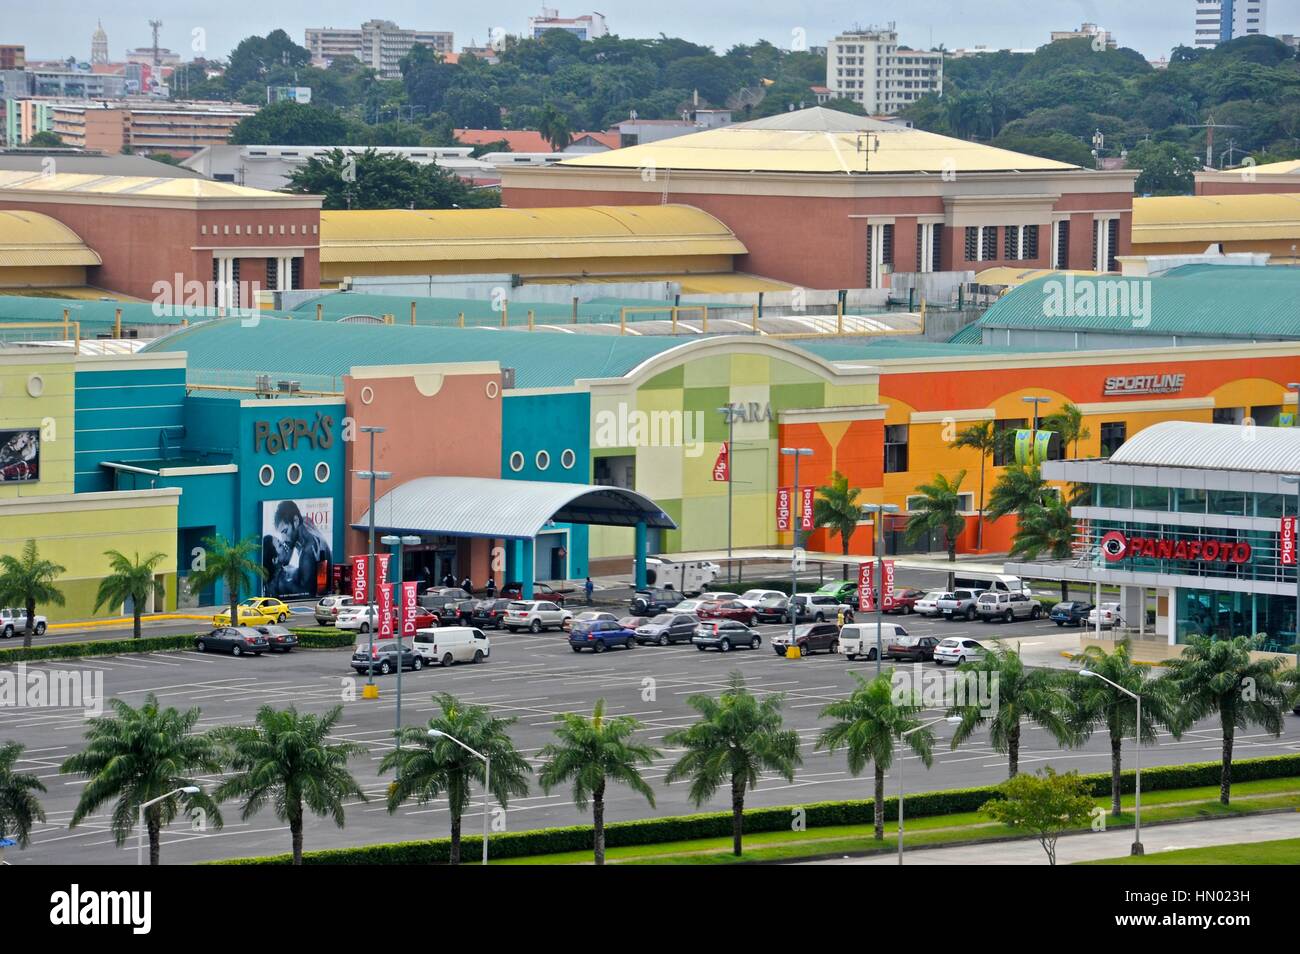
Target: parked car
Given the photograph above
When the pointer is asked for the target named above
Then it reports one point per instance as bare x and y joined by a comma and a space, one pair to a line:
456, 612
727, 609
667, 628
14, 622
859, 639
439, 596
928, 605
689, 606
905, 601
718, 596
810, 638
724, 635
279, 639
445, 645
599, 635
1110, 616
1070, 613
1008, 607
817, 608
653, 601
256, 611
957, 649
587, 616
844, 591
908, 648
328, 607
631, 622
489, 614
959, 603
357, 617
535, 616
541, 591
772, 609
384, 658
236, 640
752, 598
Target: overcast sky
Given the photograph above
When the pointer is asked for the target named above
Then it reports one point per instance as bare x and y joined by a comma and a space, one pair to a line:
59, 28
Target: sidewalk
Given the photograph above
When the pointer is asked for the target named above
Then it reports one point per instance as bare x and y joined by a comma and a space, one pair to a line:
1094, 846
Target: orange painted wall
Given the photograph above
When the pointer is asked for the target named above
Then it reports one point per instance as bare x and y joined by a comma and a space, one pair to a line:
856, 449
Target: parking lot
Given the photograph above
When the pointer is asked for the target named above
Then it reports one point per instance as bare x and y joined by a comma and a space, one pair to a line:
530, 678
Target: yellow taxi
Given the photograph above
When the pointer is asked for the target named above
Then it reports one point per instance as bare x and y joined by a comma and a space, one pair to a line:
256, 611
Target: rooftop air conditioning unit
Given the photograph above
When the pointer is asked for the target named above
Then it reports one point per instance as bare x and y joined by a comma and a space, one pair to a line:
289, 387
263, 383
507, 379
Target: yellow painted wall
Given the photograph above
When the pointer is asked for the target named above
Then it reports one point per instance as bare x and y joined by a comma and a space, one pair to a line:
43, 276
643, 265
51, 412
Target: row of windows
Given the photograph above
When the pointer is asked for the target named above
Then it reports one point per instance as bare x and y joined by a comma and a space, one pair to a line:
1230, 503
543, 460
1020, 243
293, 474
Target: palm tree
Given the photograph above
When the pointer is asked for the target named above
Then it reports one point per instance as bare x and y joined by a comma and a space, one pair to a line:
1023, 695
128, 580
429, 768
939, 509
736, 738
836, 508
867, 725
1219, 676
233, 564
554, 128
136, 755
984, 438
1020, 487
1094, 704
591, 752
287, 760
1048, 528
1068, 422
28, 580
19, 806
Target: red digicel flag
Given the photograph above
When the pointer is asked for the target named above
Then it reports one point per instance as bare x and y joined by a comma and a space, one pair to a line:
887, 584
783, 515
805, 508
410, 606
381, 559
359, 567
722, 466
386, 610
865, 603
1287, 543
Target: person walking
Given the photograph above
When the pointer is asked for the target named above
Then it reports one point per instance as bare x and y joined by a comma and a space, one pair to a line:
491, 588
588, 588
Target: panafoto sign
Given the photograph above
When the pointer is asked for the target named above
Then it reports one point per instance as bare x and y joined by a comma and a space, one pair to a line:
1115, 546
1144, 384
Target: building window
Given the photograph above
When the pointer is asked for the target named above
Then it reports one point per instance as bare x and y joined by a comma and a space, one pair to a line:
989, 250
1004, 431
542, 460
1011, 243
322, 472
1112, 245
972, 243
1228, 415
1113, 434
272, 273
294, 473
895, 448
965, 502
1030, 251
1266, 415
880, 253
295, 272
265, 475
516, 461
616, 471
936, 245
567, 459
1061, 244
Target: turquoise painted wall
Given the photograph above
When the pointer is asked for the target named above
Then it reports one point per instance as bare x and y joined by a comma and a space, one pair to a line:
120, 415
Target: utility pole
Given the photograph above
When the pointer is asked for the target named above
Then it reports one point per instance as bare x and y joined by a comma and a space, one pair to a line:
155, 26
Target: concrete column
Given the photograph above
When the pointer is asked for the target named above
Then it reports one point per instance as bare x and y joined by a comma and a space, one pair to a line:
639, 554
529, 549
514, 564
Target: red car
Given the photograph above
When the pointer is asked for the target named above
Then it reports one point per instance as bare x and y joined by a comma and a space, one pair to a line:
905, 601
541, 591
727, 609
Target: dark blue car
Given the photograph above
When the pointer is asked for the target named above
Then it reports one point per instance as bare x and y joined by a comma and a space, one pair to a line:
600, 634
1070, 613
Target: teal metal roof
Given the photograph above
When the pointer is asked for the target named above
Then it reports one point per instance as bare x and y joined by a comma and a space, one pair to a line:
318, 354
1193, 300
18, 308
885, 349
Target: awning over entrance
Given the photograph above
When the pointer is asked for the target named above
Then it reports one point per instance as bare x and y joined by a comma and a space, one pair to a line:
507, 509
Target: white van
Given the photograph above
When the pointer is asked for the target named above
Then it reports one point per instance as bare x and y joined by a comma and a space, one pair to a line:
859, 639
985, 582
686, 578
445, 645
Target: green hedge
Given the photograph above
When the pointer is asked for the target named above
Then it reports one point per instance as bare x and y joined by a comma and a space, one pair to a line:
310, 638
718, 824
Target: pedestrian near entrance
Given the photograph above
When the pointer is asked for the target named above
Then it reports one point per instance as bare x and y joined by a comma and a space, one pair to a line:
588, 588
467, 585
491, 588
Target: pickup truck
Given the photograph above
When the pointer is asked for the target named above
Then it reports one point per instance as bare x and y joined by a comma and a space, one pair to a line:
13, 622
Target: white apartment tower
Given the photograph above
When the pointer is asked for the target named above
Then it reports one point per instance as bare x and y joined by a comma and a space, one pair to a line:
379, 44
870, 68
1218, 21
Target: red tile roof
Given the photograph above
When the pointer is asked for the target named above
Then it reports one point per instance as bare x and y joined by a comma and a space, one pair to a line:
528, 140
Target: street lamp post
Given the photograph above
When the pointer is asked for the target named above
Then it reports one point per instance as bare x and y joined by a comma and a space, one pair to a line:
139, 835
396, 543
730, 413
1033, 431
1137, 759
487, 780
372, 475
796, 517
901, 737
1295, 479
879, 510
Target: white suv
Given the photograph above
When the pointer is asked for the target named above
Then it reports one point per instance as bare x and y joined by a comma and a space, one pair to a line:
13, 622
329, 607
535, 616
999, 604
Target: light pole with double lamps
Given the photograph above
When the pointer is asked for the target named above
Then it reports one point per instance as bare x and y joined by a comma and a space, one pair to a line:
796, 518
1137, 758
396, 543
1033, 431
372, 475
901, 737
879, 510
487, 780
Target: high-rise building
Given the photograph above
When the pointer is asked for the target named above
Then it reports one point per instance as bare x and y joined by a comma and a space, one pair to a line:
870, 68
1218, 21
586, 27
1088, 31
379, 44
13, 56
99, 45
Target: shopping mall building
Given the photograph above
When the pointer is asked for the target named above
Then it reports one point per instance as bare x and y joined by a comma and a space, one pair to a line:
1196, 520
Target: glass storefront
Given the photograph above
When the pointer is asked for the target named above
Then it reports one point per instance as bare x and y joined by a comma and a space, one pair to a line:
1215, 613
1185, 500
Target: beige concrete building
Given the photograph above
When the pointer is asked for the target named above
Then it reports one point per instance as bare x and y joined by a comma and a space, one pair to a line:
379, 44
179, 129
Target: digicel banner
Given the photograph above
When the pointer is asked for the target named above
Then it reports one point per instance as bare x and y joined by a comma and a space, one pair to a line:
865, 603
806, 508
722, 466
360, 564
410, 606
386, 610
1286, 546
887, 585
1116, 546
783, 505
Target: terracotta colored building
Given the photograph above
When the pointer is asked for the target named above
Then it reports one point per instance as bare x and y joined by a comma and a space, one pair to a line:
1250, 179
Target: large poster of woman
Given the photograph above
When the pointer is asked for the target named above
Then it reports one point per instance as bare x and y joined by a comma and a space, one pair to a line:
296, 552
20, 456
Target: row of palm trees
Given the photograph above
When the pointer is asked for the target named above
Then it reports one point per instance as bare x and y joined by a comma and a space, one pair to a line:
291, 762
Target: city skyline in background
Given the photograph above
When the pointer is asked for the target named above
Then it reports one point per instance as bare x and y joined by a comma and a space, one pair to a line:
1154, 30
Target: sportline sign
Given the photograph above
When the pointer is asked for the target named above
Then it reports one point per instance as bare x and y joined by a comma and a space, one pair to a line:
1144, 384
1116, 546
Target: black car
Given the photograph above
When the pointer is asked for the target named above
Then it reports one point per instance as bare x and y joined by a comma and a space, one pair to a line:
912, 648
384, 659
667, 628
488, 614
653, 600
809, 638
456, 612
772, 609
439, 596
279, 638
1070, 613
236, 640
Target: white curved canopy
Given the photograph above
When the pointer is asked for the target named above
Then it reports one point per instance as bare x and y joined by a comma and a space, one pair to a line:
1258, 450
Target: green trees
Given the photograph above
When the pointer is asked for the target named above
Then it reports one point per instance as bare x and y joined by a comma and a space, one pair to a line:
736, 738
234, 564
555, 128
1219, 677
1068, 424
867, 726
1045, 806
134, 756
292, 124
433, 767
20, 809
45, 139
982, 438
938, 510
373, 180
129, 579
590, 753
287, 761
836, 508
1046, 528
1020, 487
27, 580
